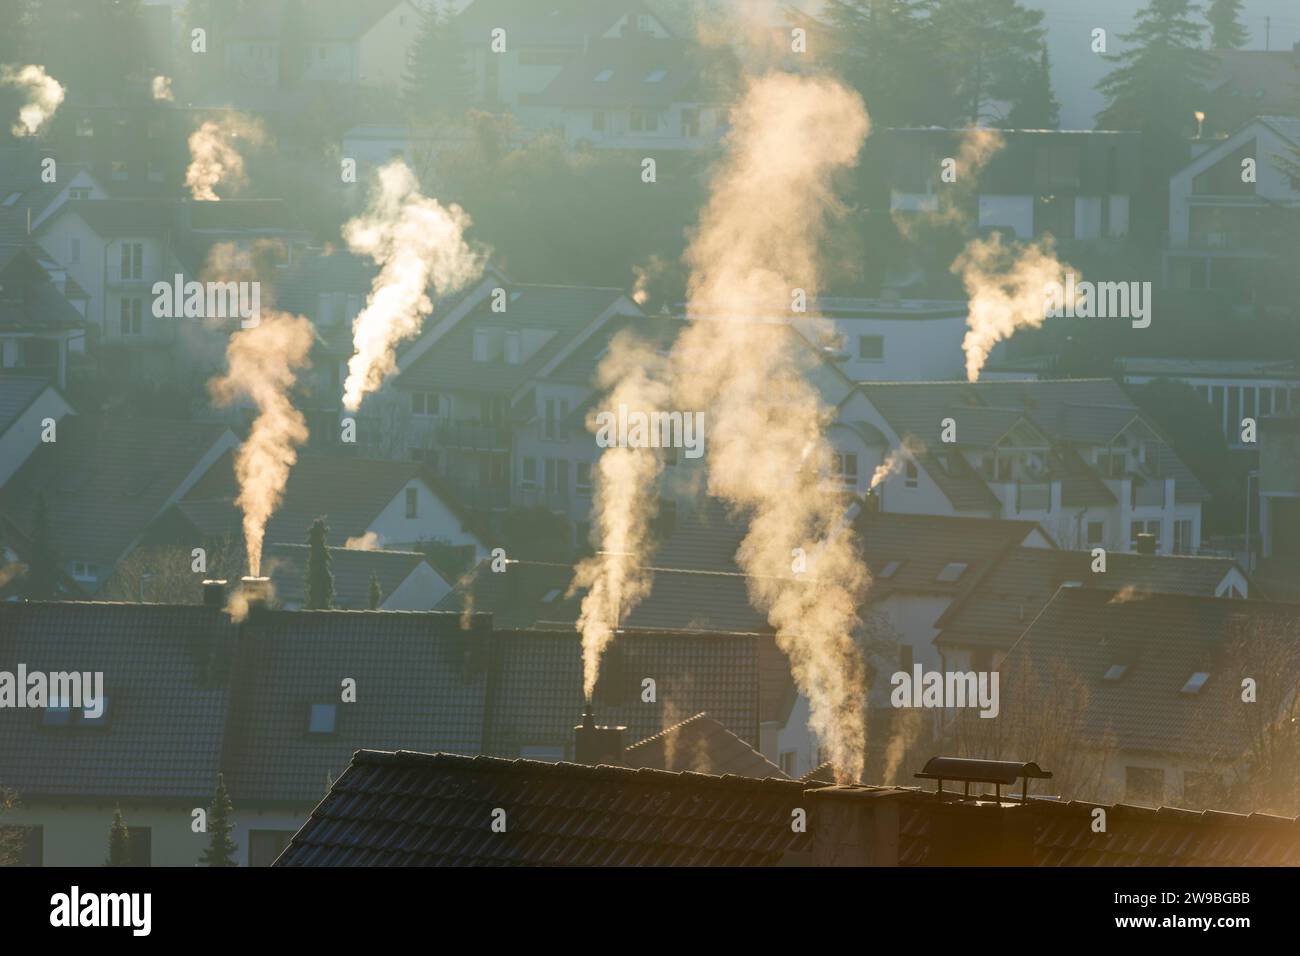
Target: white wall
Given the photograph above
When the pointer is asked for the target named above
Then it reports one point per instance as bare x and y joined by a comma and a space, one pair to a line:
434, 521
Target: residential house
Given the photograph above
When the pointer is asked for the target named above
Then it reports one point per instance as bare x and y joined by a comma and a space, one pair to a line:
371, 503
268, 702
1165, 711
122, 247
1233, 215
27, 403
1073, 184
1246, 84
1236, 388
540, 39
421, 809
105, 481
332, 42
406, 580
1076, 456
42, 325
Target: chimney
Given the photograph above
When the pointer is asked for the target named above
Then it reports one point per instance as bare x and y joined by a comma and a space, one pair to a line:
214, 593
257, 592
871, 502
1146, 543
594, 745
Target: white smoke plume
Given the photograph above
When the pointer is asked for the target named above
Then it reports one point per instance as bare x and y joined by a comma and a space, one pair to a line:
215, 157
956, 203
262, 366
895, 460
758, 238
162, 88
624, 503
370, 541
417, 242
1007, 287
44, 95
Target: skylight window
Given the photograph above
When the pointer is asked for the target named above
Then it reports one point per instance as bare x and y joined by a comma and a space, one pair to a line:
550, 596
1195, 683
323, 719
11, 199
1115, 672
656, 76
951, 572
889, 570
604, 76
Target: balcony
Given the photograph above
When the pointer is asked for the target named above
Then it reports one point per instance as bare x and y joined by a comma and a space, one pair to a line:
471, 436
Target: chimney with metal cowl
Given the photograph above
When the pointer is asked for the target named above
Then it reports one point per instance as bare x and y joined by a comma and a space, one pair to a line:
594, 745
1146, 543
214, 593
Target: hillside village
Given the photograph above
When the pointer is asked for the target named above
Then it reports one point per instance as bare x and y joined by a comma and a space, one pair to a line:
1105, 516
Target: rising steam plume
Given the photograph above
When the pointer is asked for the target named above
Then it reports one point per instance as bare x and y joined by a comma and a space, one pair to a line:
758, 239
215, 158
44, 94
624, 504
262, 365
417, 242
1007, 289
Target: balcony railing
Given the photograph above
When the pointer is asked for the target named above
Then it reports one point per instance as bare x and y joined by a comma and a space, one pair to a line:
1148, 494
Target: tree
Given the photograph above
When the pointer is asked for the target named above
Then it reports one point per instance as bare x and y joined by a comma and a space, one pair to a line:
43, 572
376, 595
438, 81
1226, 31
221, 849
1039, 108
1156, 86
293, 45
119, 841
993, 48
320, 577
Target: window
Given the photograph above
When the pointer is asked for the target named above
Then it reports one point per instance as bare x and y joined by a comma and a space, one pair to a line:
85, 126
22, 845
871, 347
412, 502
74, 251
265, 845
85, 571
889, 570
598, 121
322, 719
553, 425
132, 260
690, 122
1195, 683
140, 852
1096, 533
528, 471
656, 76
557, 477
910, 474
951, 572
644, 121
1144, 785
788, 758
426, 403
117, 171
1183, 536
583, 478
129, 318
1115, 672
644, 23
845, 468
604, 76
79, 192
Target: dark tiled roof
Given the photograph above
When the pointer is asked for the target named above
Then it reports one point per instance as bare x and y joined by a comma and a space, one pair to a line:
1011, 596
537, 689
617, 73
563, 311
321, 19
419, 678
1163, 639
105, 480
17, 392
286, 565
412, 809
349, 492
164, 679
702, 745
1079, 410
546, 23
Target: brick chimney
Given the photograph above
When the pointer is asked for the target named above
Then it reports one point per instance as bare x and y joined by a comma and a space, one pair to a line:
257, 592
594, 745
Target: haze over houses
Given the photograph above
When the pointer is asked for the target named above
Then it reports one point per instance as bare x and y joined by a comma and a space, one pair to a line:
362, 561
